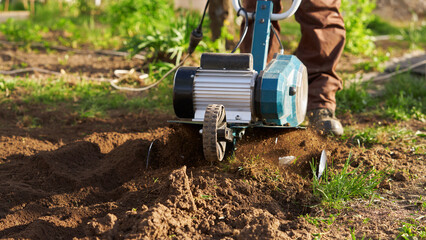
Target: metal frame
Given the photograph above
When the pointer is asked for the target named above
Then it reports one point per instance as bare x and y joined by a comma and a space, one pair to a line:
275, 16
261, 33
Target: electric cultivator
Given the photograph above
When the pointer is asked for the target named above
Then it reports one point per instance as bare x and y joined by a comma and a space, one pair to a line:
230, 92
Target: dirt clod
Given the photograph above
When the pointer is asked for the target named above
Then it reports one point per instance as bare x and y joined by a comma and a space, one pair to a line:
400, 176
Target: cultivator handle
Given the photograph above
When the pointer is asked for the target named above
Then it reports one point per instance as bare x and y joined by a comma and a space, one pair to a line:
275, 16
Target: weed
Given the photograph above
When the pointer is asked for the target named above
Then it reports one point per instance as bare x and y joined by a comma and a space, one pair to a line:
411, 230
131, 17
380, 27
22, 31
170, 43
415, 34
353, 236
337, 187
405, 97
317, 236
227, 165
362, 138
355, 98
357, 15
379, 134
155, 179
317, 220
376, 61
7, 85
206, 197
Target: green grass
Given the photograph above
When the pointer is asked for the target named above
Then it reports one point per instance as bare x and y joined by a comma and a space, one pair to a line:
334, 188
403, 98
381, 27
87, 99
329, 220
382, 134
355, 98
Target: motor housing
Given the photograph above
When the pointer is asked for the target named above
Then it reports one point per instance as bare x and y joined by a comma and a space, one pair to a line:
275, 96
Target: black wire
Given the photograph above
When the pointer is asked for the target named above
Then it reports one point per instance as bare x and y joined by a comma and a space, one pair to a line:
245, 28
278, 37
202, 18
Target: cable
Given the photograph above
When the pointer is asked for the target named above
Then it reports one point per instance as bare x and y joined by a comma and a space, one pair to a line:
197, 34
279, 40
389, 75
245, 28
196, 37
115, 81
200, 26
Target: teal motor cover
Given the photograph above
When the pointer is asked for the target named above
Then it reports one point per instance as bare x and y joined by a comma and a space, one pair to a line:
284, 91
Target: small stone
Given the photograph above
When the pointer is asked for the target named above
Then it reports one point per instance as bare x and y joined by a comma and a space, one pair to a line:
286, 160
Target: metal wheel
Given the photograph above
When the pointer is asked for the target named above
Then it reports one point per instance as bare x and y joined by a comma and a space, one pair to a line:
214, 120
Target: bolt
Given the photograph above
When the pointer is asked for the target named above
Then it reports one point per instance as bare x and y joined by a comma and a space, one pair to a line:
262, 20
237, 117
263, 7
201, 131
292, 91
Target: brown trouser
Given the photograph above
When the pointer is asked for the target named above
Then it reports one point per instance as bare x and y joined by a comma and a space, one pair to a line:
323, 39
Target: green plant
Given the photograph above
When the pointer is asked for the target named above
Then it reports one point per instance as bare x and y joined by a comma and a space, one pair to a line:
383, 134
133, 17
412, 230
7, 84
87, 99
357, 15
405, 97
415, 33
381, 27
22, 31
337, 187
376, 62
166, 44
206, 197
353, 236
85, 7
366, 137
329, 220
355, 98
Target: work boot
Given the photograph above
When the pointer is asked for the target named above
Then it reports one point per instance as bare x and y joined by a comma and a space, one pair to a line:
324, 121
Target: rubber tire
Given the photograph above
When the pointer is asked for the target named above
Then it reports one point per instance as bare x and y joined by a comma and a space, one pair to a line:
214, 118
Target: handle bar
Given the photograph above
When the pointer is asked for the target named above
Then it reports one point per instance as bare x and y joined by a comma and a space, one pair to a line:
275, 16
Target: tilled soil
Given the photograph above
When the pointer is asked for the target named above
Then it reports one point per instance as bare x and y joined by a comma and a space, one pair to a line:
99, 186
97, 179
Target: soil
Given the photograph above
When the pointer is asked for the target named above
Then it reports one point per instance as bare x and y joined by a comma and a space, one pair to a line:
98, 179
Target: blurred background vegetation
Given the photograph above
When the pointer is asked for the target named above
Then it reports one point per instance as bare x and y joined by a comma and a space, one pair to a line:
161, 31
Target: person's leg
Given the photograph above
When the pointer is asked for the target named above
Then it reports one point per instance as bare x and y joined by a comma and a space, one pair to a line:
320, 48
322, 42
274, 45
